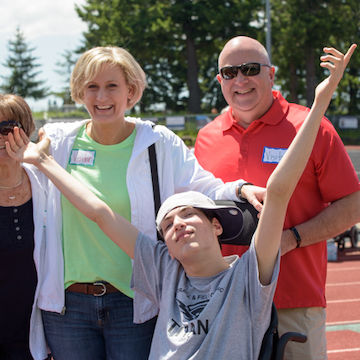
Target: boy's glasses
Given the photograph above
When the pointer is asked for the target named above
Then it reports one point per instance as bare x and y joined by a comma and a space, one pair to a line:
8, 126
247, 69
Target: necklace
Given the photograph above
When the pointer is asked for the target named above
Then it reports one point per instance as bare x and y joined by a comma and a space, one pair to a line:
13, 187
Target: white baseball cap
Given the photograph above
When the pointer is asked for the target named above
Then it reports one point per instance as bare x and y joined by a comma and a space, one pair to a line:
230, 217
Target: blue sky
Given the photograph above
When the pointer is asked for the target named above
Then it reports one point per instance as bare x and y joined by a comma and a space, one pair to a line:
49, 26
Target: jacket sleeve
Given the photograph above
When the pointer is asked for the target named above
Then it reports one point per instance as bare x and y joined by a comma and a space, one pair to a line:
189, 174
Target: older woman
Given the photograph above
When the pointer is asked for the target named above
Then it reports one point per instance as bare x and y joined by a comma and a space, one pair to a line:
22, 214
86, 297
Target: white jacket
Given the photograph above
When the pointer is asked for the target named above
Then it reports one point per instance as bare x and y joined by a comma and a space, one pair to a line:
39, 194
178, 171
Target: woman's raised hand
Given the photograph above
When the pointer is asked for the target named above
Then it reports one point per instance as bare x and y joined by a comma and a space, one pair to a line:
22, 149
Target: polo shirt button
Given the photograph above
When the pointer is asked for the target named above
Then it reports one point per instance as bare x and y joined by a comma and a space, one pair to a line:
19, 237
16, 221
17, 228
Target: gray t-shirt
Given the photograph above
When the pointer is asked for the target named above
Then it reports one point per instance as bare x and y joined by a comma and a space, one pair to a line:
223, 316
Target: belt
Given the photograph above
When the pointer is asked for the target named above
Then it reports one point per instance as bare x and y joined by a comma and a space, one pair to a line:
96, 289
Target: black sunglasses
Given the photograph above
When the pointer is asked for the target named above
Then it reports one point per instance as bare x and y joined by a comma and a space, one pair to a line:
8, 126
247, 69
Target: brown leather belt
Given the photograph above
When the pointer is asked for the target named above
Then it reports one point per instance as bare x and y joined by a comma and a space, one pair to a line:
96, 289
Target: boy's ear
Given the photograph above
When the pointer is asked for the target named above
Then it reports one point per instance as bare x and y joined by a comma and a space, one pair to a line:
217, 226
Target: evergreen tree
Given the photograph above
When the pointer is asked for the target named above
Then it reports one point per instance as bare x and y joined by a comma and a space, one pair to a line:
65, 68
22, 65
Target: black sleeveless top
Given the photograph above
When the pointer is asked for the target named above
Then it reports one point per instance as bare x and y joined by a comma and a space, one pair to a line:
17, 271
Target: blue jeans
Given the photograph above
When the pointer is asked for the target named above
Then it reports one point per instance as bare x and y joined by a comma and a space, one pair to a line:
97, 328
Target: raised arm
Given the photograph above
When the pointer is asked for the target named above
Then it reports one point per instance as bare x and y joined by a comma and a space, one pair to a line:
282, 182
112, 224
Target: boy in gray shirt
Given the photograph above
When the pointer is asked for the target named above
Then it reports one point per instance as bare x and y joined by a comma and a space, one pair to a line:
210, 307
197, 313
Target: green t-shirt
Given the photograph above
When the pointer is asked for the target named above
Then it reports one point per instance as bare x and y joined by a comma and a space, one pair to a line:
89, 255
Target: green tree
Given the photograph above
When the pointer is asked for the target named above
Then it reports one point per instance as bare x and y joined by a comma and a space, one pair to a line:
174, 41
64, 69
22, 65
131, 25
300, 29
346, 33
205, 27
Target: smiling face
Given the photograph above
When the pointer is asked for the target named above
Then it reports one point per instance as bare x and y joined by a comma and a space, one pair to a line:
106, 95
250, 97
187, 230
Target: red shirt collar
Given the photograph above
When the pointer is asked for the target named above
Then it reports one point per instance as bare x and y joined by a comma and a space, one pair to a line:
273, 116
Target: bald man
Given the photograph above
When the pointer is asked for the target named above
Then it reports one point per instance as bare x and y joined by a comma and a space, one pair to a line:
248, 142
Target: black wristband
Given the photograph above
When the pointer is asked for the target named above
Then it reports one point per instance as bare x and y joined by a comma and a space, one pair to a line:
239, 191
297, 236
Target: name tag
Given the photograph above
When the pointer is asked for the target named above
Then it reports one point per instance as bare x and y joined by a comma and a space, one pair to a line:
82, 157
272, 155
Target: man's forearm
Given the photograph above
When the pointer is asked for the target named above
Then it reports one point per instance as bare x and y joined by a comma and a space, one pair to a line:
332, 221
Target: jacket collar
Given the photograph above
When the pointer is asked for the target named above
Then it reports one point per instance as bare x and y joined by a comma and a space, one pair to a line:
146, 134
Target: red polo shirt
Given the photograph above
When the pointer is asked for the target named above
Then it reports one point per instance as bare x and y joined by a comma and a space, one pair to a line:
231, 152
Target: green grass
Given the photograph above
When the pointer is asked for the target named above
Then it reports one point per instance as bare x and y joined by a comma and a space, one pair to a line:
189, 134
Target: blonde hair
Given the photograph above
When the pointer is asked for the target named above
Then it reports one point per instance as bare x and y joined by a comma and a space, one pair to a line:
14, 107
89, 66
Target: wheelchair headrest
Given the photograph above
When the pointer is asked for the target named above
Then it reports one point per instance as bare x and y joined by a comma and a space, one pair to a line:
250, 222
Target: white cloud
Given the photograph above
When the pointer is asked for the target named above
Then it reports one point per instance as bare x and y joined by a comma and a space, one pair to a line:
39, 17
49, 26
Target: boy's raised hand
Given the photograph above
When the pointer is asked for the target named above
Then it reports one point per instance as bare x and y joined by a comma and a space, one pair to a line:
336, 63
22, 149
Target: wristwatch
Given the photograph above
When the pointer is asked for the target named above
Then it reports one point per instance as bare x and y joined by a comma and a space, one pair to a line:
239, 190
297, 236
